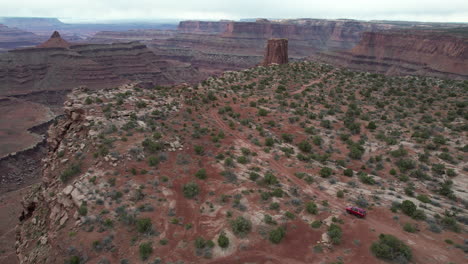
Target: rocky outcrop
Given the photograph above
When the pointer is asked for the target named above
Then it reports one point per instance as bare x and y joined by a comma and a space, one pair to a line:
55, 41
72, 136
276, 52
54, 211
432, 53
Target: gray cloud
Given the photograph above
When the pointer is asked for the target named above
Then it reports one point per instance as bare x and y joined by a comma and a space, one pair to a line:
101, 10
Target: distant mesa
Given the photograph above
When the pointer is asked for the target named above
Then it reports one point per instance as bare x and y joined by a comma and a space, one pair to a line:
276, 52
55, 41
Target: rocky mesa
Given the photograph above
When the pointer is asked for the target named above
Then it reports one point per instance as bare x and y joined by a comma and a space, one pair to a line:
225, 172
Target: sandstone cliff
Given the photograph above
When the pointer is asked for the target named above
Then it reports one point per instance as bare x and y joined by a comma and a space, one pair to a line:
229, 45
131, 35
57, 65
276, 52
194, 26
432, 53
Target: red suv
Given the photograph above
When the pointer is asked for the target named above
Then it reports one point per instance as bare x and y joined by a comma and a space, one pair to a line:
356, 211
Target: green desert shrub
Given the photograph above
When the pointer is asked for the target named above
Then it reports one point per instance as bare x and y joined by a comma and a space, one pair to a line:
201, 174
277, 234
144, 225
348, 172
391, 248
450, 223
199, 150
153, 161
366, 179
241, 226
335, 233
190, 190
145, 249
152, 146
408, 207
408, 227
72, 170
423, 198
311, 208
269, 178
316, 224
340, 194
305, 146
326, 172
223, 240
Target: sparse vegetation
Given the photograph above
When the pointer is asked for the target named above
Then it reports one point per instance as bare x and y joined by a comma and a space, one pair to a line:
191, 190
145, 249
241, 226
335, 233
277, 234
391, 248
263, 151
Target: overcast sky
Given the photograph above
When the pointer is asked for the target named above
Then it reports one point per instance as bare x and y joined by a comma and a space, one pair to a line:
101, 10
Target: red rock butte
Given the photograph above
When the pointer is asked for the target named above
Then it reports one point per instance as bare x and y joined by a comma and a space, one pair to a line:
55, 41
276, 52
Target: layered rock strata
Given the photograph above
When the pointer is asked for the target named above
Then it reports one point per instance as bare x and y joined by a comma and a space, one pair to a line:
276, 52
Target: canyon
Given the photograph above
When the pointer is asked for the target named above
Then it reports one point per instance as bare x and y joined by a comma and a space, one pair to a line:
11, 38
198, 49
34, 82
230, 45
114, 127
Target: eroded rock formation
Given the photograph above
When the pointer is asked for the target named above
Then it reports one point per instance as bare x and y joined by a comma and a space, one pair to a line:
276, 52
58, 65
55, 41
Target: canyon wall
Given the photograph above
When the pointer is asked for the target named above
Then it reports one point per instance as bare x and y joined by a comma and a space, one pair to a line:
194, 26
92, 65
12, 37
38, 69
214, 47
131, 35
229, 45
433, 53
